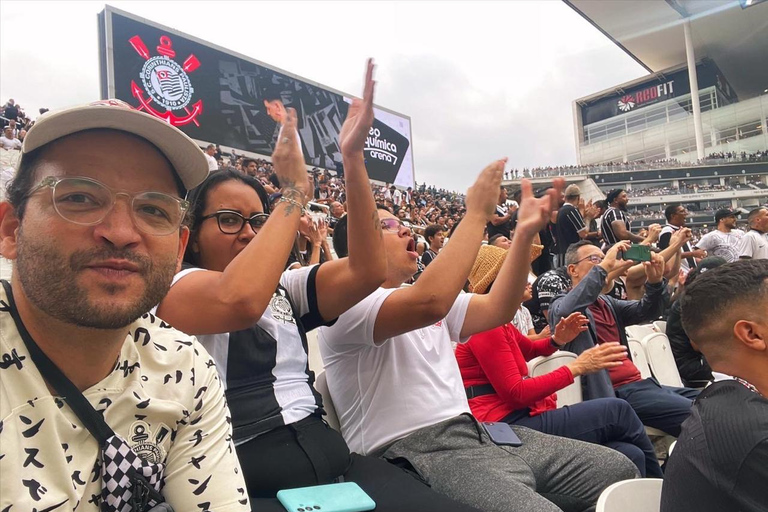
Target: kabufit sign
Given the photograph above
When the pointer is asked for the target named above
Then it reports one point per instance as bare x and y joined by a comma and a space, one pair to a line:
646, 96
217, 96
662, 86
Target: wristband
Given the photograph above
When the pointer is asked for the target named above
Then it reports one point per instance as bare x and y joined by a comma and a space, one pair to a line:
553, 342
288, 200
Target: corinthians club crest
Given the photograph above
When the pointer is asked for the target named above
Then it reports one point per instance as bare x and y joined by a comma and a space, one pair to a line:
166, 84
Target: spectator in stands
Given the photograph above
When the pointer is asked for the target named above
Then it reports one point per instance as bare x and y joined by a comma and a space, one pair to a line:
311, 245
398, 391
721, 459
495, 375
249, 167
8, 141
322, 192
499, 240
337, 212
210, 150
259, 315
571, 226
693, 367
594, 234
754, 244
10, 111
435, 236
661, 407
676, 215
616, 225
723, 241
83, 283
500, 223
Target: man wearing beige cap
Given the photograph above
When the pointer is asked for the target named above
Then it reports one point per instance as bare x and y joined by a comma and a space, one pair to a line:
571, 226
103, 406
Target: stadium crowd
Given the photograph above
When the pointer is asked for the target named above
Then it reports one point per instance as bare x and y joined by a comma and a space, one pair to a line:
155, 350
635, 165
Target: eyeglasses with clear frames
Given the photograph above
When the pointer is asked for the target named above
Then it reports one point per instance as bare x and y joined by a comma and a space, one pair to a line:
231, 222
87, 202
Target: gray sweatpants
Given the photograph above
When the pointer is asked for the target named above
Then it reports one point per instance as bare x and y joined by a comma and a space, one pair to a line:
546, 474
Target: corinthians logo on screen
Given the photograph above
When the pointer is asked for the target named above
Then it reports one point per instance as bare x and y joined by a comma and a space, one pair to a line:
166, 84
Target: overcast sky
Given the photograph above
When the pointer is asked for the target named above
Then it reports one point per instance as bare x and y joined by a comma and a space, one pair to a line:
480, 80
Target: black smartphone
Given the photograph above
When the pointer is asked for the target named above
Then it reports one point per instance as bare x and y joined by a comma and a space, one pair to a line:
501, 433
637, 252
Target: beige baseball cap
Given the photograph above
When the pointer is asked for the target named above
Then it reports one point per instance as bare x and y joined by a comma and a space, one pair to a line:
183, 153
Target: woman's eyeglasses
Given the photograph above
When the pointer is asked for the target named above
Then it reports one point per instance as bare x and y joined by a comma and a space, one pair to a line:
231, 222
393, 225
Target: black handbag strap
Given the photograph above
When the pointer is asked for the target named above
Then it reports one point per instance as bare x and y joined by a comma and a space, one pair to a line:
90, 417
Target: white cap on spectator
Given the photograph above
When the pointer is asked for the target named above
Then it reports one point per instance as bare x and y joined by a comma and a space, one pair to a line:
186, 158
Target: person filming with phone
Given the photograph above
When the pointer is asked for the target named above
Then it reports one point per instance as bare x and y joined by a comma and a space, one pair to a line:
661, 407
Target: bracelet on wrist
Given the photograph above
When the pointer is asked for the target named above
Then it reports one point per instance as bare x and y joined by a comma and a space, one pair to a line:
293, 202
553, 342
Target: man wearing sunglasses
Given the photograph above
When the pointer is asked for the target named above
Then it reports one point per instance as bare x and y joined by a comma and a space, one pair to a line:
94, 226
661, 407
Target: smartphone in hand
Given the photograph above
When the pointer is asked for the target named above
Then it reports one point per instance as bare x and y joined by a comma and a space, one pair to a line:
637, 252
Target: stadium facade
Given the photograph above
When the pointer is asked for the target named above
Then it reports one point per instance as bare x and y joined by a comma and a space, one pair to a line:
694, 130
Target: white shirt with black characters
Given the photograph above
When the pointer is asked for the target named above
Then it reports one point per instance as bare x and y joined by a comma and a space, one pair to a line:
723, 245
163, 397
613, 214
265, 368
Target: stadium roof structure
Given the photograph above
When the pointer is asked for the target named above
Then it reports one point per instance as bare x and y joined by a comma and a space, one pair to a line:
733, 33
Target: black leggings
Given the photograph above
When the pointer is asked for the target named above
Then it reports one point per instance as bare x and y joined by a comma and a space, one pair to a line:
309, 452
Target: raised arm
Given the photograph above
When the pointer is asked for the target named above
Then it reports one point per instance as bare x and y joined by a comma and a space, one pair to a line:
588, 290
235, 297
621, 231
498, 306
344, 282
433, 295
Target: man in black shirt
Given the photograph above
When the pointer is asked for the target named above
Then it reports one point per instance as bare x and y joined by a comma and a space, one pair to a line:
721, 459
615, 225
676, 215
500, 224
571, 226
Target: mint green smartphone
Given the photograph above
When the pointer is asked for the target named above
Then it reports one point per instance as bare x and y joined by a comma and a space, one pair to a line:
343, 497
637, 252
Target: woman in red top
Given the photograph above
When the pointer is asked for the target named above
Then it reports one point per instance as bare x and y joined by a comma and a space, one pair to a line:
494, 368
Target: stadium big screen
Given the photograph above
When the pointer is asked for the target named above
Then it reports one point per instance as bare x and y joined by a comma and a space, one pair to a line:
217, 96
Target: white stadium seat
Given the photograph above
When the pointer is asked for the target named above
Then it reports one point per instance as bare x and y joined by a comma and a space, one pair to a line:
538, 366
660, 326
641, 495
321, 385
637, 353
639, 332
661, 360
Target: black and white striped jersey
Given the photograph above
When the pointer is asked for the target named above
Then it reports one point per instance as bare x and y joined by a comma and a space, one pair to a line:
265, 368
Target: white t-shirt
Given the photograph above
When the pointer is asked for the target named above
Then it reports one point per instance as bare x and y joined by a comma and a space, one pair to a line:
723, 245
212, 164
164, 398
12, 143
523, 321
383, 393
754, 245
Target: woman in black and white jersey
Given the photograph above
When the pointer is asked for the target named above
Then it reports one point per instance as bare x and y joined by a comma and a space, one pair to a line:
252, 317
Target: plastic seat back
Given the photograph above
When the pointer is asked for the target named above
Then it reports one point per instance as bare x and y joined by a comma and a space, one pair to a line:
570, 394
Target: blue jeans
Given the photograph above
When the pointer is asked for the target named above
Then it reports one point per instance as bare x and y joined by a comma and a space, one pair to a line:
607, 421
661, 407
